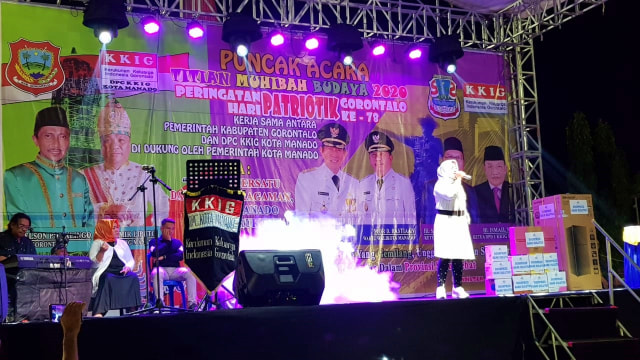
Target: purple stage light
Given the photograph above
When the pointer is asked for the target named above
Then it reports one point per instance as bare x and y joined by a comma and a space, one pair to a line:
378, 49
277, 39
415, 54
150, 25
311, 43
195, 30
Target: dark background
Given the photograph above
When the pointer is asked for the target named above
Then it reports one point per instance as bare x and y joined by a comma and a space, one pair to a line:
588, 65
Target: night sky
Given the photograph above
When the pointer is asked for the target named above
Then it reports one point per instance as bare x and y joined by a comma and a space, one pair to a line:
588, 66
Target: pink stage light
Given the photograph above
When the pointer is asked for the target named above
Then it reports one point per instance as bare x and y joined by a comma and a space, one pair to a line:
195, 30
312, 43
415, 54
150, 25
277, 39
378, 49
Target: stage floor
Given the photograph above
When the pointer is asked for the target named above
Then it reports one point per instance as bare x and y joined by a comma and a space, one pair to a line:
480, 327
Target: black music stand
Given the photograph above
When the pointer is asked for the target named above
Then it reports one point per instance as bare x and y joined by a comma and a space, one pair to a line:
224, 173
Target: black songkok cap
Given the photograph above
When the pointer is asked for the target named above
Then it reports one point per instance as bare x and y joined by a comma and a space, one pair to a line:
51, 116
452, 143
493, 153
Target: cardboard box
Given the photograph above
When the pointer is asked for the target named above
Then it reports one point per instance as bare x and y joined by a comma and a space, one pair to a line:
557, 281
522, 239
522, 284
496, 253
539, 283
497, 270
520, 264
536, 263
571, 217
550, 262
498, 286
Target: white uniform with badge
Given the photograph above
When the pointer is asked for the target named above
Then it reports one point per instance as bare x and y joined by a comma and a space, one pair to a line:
393, 203
317, 193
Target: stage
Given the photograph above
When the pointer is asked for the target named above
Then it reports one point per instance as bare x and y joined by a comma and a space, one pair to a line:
477, 328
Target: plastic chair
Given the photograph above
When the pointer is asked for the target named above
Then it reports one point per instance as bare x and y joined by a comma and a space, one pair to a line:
171, 285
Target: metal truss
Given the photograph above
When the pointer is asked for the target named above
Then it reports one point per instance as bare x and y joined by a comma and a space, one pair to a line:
524, 132
510, 31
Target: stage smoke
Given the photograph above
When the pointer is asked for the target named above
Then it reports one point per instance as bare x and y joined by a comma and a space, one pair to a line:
345, 280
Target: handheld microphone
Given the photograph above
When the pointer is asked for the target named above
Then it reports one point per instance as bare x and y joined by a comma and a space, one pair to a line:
463, 175
148, 167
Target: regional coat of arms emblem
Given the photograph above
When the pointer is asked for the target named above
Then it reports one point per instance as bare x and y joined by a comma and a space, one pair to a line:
34, 67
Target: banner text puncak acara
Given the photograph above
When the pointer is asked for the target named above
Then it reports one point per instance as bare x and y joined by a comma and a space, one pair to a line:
291, 66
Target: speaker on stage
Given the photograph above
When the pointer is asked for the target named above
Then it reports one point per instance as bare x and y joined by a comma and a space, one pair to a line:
273, 278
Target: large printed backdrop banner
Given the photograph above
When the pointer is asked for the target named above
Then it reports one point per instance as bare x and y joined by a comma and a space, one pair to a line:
164, 100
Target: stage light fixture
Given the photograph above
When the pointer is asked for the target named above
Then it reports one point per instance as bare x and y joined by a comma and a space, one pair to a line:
344, 39
150, 25
311, 42
277, 38
105, 36
239, 31
415, 53
105, 17
347, 59
195, 30
279, 278
378, 48
242, 50
445, 51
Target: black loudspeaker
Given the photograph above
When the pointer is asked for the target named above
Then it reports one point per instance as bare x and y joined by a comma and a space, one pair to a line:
275, 278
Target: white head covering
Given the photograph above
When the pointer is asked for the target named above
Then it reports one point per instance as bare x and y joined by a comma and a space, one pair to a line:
447, 169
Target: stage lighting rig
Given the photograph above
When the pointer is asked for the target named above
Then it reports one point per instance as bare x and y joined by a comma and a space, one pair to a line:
105, 17
378, 48
195, 30
445, 51
150, 24
277, 38
414, 53
344, 39
311, 42
239, 31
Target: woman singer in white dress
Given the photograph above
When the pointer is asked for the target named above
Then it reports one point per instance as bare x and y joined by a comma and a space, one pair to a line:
451, 237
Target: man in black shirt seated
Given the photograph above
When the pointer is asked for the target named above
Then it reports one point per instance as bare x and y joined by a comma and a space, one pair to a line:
170, 253
14, 241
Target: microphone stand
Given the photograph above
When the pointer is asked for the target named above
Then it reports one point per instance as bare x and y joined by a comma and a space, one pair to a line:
65, 241
159, 305
143, 190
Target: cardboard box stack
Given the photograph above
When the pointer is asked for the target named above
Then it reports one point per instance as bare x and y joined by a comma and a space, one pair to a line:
534, 260
570, 216
497, 270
